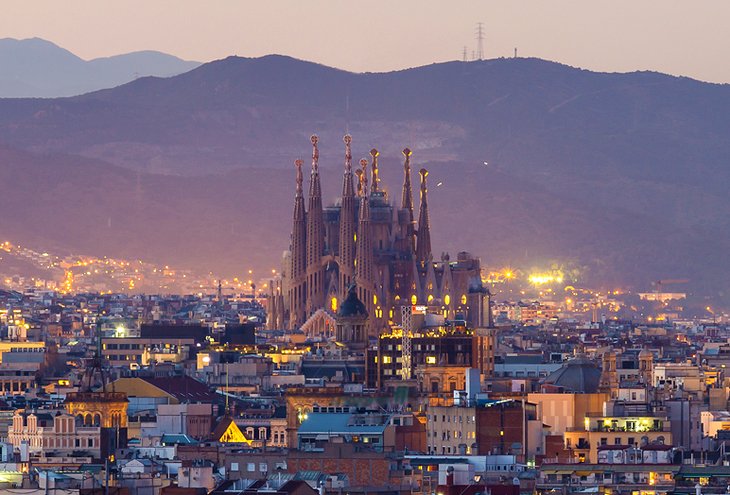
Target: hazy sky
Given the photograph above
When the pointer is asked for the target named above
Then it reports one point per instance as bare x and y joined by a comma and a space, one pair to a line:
678, 37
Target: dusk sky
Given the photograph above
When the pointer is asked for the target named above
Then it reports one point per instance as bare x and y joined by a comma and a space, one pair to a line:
682, 38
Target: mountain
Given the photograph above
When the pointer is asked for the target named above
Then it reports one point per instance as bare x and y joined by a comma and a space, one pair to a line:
620, 176
39, 68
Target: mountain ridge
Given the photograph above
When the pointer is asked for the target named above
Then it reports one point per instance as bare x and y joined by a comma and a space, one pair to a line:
623, 175
38, 68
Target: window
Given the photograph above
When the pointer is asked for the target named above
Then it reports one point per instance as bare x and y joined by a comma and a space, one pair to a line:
234, 466
251, 467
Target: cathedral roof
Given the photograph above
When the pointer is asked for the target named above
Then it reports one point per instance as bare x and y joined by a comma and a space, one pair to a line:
579, 375
352, 305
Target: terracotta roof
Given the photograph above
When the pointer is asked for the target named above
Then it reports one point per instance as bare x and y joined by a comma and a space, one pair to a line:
184, 388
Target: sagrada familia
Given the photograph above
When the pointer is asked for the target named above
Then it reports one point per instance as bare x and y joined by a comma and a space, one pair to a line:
367, 241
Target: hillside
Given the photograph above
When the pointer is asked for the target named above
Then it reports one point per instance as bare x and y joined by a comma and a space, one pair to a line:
38, 68
622, 175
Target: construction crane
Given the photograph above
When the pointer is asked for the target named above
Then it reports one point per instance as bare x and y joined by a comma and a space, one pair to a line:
219, 290
406, 312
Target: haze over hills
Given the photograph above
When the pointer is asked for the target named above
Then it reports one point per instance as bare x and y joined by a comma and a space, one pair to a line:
38, 68
620, 175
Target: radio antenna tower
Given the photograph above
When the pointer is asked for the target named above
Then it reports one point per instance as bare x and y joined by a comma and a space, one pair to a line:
480, 40
463, 55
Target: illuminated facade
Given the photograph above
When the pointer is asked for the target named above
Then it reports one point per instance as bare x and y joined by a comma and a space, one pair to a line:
105, 409
629, 431
430, 348
366, 239
59, 432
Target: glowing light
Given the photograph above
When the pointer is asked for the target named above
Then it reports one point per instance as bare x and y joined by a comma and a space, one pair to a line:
414, 299
333, 304
447, 299
545, 278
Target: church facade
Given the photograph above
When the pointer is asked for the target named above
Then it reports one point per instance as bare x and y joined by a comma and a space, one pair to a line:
368, 240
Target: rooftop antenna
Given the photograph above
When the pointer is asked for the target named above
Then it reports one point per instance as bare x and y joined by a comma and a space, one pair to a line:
480, 40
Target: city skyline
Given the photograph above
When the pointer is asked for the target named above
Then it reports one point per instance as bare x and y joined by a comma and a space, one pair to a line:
654, 36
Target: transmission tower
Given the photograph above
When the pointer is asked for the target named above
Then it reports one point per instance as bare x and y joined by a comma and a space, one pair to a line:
463, 55
480, 40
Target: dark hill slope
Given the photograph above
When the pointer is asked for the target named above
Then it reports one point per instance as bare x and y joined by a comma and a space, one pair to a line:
625, 174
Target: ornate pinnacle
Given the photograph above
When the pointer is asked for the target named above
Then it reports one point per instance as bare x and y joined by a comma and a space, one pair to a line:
358, 172
407, 153
364, 176
315, 153
374, 153
300, 178
424, 173
348, 152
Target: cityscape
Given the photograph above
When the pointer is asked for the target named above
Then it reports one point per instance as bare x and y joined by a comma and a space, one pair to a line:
261, 275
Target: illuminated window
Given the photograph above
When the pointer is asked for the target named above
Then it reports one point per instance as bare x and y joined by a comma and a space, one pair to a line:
414, 299
333, 304
430, 297
387, 360
354, 237
447, 299
463, 299
375, 299
430, 359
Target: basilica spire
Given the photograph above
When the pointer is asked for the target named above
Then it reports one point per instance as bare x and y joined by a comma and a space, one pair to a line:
364, 259
298, 249
348, 224
407, 199
315, 237
423, 247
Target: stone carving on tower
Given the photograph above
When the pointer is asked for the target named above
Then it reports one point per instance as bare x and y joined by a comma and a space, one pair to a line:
376, 172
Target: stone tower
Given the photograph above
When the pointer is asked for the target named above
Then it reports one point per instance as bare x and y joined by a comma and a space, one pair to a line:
364, 250
348, 219
646, 366
407, 201
297, 292
609, 374
315, 238
423, 246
